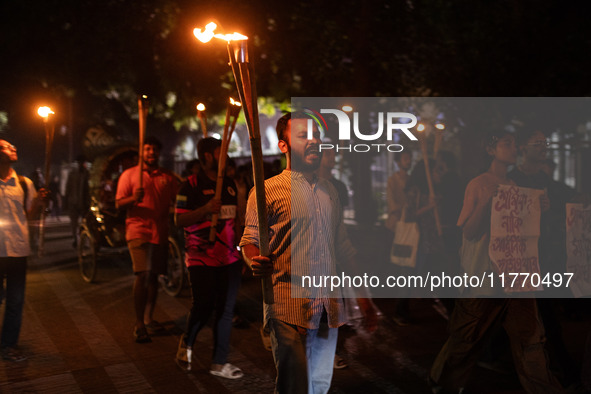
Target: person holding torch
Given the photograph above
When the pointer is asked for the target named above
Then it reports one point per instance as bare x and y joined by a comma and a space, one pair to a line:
147, 200
307, 235
215, 268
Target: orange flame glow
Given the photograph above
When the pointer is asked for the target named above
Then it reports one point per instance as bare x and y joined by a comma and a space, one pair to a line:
234, 102
44, 112
200, 107
207, 34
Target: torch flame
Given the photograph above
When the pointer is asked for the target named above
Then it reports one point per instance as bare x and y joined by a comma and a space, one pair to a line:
420, 127
44, 112
234, 102
207, 34
200, 107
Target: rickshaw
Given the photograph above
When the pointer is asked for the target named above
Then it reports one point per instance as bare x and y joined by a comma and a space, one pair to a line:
103, 226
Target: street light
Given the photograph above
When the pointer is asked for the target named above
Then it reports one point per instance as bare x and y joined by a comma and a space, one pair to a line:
49, 126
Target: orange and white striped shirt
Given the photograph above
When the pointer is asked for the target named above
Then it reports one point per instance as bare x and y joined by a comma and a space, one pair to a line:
307, 237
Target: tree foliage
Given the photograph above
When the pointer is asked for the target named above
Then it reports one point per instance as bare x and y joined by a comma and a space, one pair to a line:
98, 55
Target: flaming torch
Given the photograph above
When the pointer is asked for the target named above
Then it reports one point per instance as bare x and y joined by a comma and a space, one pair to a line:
143, 106
438, 137
243, 71
203, 118
49, 125
232, 113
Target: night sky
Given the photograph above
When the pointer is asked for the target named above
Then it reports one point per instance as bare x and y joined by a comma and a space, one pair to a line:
96, 56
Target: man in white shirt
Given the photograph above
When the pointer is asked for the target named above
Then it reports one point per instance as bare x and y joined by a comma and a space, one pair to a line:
18, 202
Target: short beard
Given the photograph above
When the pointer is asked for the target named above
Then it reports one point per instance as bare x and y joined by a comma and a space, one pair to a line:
154, 163
300, 165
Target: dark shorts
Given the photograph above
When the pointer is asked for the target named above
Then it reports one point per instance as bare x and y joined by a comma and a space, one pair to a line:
146, 256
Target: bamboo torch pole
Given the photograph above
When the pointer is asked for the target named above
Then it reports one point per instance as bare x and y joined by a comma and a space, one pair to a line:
142, 104
245, 82
425, 154
232, 113
49, 127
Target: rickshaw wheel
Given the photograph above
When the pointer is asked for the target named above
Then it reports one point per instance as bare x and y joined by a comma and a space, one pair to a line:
87, 255
174, 280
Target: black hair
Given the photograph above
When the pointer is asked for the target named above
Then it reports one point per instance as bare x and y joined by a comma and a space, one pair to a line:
190, 164
284, 120
398, 156
525, 134
490, 139
418, 177
449, 159
151, 140
282, 126
207, 145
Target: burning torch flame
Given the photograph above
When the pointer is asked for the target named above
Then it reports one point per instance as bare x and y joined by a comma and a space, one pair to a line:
200, 107
234, 102
44, 112
208, 34
420, 127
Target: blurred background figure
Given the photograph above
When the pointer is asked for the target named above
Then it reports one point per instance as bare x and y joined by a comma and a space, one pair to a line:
77, 195
450, 194
56, 197
395, 195
38, 178
325, 171
191, 168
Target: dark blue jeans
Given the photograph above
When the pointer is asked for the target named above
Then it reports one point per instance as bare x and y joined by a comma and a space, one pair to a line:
13, 272
214, 289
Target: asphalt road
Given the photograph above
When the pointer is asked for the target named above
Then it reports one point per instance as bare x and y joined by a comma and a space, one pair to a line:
78, 337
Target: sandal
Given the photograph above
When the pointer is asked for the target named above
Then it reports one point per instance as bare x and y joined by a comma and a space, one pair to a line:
12, 354
228, 371
154, 327
184, 355
141, 335
339, 362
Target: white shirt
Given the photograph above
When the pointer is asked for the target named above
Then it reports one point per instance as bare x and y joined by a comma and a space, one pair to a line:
14, 230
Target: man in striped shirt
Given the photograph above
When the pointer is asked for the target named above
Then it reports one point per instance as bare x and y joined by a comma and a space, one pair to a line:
307, 238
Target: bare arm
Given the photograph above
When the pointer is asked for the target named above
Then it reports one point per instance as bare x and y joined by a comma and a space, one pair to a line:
199, 214
478, 221
260, 265
126, 202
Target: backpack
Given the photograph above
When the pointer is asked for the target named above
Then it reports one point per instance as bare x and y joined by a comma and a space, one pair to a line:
23, 183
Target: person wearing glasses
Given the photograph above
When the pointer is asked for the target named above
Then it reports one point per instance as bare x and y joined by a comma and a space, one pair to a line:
19, 201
